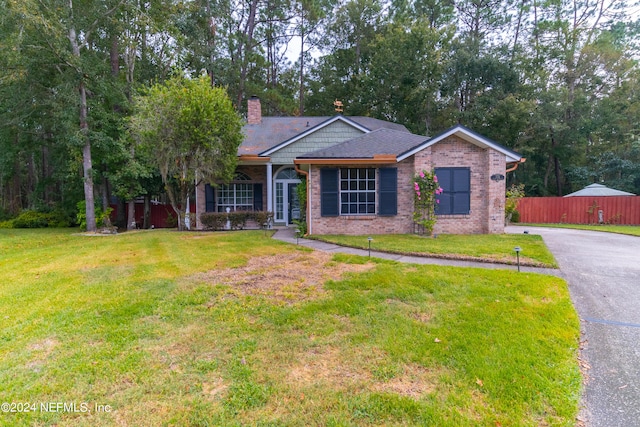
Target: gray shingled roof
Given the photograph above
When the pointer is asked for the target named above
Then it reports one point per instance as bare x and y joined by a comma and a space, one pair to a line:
276, 130
595, 190
378, 142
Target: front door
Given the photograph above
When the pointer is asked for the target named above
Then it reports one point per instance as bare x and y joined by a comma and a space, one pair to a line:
286, 203
294, 203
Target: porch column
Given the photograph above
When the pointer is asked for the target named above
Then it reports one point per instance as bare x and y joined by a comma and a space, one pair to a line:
269, 187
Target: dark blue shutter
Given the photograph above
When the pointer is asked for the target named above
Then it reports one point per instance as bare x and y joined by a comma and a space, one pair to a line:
388, 191
329, 192
257, 197
209, 198
462, 191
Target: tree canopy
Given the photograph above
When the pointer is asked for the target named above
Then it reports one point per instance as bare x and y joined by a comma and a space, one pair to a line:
557, 81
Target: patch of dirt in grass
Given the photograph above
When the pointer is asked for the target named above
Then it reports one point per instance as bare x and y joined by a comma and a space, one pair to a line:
146, 412
414, 381
329, 366
42, 350
325, 365
214, 388
285, 277
177, 346
414, 311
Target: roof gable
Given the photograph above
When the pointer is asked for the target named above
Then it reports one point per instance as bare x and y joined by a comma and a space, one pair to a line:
380, 142
311, 130
467, 135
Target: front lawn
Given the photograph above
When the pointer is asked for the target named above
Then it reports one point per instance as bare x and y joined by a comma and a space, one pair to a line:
232, 329
474, 247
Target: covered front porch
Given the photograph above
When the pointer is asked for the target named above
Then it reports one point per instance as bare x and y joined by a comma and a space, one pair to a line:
255, 187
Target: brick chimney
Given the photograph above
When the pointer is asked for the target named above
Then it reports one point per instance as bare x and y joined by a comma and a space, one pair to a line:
254, 111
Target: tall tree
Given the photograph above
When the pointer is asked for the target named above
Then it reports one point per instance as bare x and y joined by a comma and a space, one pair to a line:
192, 132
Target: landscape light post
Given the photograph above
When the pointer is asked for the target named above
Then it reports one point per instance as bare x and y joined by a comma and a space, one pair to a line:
518, 249
369, 239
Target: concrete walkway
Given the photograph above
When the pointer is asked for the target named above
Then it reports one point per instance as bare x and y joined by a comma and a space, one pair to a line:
288, 235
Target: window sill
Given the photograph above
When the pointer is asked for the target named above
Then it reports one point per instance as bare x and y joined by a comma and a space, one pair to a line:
368, 217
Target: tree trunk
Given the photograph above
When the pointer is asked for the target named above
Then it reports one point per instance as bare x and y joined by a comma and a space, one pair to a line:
32, 181
301, 89
105, 193
86, 163
131, 215
211, 40
121, 219
114, 56
174, 205
84, 129
556, 165
46, 175
147, 212
248, 47
15, 193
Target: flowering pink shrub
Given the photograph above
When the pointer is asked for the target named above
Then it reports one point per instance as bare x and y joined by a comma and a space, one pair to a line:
426, 188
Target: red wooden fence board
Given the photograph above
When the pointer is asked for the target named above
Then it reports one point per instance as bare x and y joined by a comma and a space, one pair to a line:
580, 210
159, 217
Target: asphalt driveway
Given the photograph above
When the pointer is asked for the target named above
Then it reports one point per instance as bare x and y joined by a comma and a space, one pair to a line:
603, 272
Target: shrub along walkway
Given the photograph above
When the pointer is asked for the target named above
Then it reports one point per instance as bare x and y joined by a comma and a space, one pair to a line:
287, 234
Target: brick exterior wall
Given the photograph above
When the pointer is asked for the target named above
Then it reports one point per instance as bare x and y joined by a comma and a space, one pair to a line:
365, 224
487, 196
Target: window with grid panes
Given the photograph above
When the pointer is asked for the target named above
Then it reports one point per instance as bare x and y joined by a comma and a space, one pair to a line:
357, 191
237, 196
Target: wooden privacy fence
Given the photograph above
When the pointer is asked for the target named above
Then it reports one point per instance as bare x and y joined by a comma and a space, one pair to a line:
581, 210
161, 215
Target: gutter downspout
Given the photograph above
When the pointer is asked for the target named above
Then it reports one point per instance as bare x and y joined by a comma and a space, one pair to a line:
307, 210
515, 166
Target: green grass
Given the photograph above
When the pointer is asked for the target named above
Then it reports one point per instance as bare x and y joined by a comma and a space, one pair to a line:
479, 247
145, 323
632, 230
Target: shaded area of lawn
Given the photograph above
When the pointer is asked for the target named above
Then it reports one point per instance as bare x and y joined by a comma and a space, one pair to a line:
632, 230
476, 247
237, 329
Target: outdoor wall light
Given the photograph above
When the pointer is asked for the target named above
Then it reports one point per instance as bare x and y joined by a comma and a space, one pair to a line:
369, 239
518, 249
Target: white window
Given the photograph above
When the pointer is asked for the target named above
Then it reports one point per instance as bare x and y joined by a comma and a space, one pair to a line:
237, 196
358, 191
